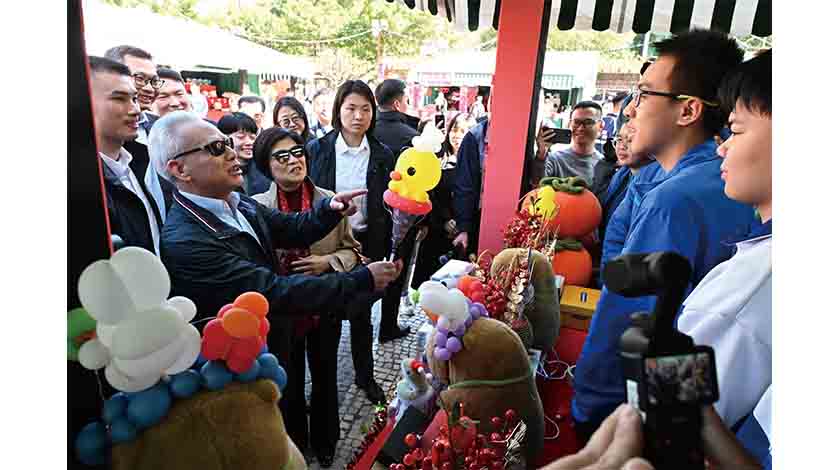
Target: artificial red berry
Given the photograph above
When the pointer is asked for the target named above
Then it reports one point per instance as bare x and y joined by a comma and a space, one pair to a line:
427, 463
410, 440
409, 460
497, 423
446, 466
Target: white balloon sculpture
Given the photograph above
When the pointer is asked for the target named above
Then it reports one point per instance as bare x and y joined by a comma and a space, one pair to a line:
141, 336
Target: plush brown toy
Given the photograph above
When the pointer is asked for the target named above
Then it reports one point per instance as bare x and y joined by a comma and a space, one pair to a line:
490, 375
237, 427
544, 312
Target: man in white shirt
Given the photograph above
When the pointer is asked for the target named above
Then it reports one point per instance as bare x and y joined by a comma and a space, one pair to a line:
132, 211
148, 82
730, 309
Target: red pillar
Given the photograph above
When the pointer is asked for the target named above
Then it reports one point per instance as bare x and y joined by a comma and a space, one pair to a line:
523, 27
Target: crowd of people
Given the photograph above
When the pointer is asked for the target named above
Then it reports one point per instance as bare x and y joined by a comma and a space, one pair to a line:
295, 211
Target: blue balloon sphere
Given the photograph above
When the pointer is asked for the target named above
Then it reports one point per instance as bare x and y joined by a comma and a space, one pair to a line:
90, 444
185, 384
280, 378
268, 362
122, 430
115, 407
150, 406
251, 375
216, 375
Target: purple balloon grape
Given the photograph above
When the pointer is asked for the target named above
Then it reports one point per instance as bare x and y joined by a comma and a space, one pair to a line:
460, 330
468, 322
440, 339
442, 354
483, 310
475, 312
453, 345
443, 325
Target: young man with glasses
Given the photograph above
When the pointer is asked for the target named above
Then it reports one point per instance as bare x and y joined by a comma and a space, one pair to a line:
674, 116
147, 82
579, 159
172, 95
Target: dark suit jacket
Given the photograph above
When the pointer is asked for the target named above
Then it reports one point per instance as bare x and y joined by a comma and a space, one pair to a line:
212, 263
126, 213
391, 129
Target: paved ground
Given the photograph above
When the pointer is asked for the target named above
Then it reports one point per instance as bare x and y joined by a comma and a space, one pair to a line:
354, 409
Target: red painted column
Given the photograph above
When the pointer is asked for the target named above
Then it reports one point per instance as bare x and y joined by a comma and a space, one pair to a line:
523, 26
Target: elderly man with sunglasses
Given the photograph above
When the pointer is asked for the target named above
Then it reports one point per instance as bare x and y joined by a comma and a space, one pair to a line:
218, 244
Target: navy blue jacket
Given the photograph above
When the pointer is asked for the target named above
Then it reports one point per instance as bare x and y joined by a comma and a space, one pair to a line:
380, 165
468, 177
685, 211
127, 215
212, 263
391, 129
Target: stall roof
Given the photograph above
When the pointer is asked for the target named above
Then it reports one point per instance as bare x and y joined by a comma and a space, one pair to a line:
737, 17
184, 44
561, 70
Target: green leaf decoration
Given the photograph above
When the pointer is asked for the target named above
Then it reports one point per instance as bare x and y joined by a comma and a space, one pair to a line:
569, 185
568, 244
79, 322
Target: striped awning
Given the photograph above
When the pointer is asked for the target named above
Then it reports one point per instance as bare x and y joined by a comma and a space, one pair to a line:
737, 17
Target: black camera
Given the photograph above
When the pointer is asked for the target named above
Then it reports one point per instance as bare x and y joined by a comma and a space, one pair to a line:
667, 378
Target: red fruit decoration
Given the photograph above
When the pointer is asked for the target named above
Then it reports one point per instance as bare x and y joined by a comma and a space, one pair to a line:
410, 440
572, 261
571, 209
409, 460
473, 288
497, 423
446, 466
427, 463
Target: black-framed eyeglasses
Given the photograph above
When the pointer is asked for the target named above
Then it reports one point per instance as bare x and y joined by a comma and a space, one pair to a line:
283, 156
619, 141
141, 80
287, 122
638, 93
216, 148
583, 122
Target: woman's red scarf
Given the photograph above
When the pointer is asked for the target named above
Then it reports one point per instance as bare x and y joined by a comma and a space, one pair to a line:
296, 201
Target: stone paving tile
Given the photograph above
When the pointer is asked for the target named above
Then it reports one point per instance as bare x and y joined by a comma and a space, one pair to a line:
354, 409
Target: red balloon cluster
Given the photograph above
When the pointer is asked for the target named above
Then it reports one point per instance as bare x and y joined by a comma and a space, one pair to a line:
238, 333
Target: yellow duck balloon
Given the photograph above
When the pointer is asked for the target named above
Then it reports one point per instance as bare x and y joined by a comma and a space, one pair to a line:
417, 172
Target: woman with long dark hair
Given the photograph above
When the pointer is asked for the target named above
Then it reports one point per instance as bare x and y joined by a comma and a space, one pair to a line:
280, 155
289, 113
351, 157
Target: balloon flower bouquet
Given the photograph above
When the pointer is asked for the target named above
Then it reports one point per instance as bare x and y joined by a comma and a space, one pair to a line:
417, 172
181, 396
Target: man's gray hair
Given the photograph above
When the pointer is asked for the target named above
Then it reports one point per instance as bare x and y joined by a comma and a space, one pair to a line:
168, 138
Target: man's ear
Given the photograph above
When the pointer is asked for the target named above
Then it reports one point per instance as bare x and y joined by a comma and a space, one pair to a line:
176, 169
691, 112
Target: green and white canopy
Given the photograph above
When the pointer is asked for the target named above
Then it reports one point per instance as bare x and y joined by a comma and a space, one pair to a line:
736, 17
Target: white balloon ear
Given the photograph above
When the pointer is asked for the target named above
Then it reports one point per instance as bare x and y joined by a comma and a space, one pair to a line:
144, 275
146, 332
103, 294
123, 383
184, 306
191, 340
93, 355
105, 334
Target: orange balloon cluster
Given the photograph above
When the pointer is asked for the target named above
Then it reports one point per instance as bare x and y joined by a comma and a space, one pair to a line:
238, 332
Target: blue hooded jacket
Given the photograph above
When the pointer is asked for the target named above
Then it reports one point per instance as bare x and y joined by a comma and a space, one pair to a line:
685, 211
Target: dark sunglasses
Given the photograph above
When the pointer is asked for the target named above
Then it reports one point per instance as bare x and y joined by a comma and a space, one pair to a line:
283, 156
216, 148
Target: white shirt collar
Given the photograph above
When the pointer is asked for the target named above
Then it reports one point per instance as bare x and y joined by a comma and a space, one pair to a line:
342, 147
216, 206
119, 167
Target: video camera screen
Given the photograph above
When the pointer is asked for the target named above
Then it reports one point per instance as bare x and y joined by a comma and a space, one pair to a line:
682, 379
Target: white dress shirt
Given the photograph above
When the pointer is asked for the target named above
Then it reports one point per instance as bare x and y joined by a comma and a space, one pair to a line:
226, 211
351, 165
730, 310
120, 168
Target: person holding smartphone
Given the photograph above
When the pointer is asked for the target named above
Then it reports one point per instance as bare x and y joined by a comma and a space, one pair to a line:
579, 159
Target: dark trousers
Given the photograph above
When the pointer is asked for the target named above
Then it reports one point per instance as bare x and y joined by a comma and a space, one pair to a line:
361, 328
320, 346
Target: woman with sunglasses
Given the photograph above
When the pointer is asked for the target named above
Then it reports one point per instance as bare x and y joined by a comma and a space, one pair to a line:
290, 114
280, 155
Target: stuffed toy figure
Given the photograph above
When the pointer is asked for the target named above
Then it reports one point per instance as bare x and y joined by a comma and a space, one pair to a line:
237, 427
543, 312
490, 374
